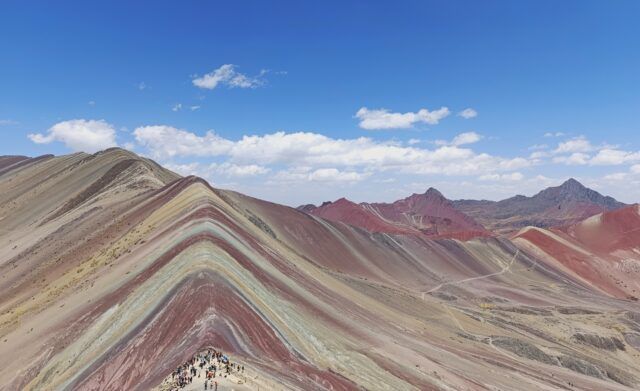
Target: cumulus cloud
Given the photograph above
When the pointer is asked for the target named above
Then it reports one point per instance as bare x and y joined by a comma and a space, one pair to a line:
79, 135
385, 119
324, 175
580, 151
466, 138
335, 175
625, 178
228, 76
511, 177
574, 151
610, 157
576, 158
177, 107
616, 176
576, 144
537, 155
317, 151
166, 142
468, 113
236, 170
185, 169
214, 170
461, 139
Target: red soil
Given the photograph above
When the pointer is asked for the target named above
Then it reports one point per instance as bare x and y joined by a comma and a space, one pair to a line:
582, 265
429, 214
613, 231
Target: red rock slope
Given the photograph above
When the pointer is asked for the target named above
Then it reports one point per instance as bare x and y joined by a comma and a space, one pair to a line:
430, 214
603, 250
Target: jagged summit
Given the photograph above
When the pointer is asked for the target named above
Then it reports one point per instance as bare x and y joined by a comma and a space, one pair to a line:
572, 190
429, 213
432, 195
565, 204
432, 191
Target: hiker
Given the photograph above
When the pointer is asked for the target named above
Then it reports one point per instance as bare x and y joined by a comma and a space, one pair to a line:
205, 384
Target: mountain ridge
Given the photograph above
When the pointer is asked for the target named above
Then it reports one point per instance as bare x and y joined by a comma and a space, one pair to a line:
147, 269
429, 213
560, 205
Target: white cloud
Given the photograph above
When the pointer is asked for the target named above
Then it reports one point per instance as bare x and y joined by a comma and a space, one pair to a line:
92, 103
576, 144
511, 177
466, 138
235, 170
335, 175
194, 108
7, 122
324, 175
576, 158
539, 155
468, 113
629, 177
385, 119
166, 141
79, 135
316, 151
610, 157
554, 134
617, 176
177, 107
414, 141
461, 139
185, 169
142, 86
228, 76
580, 151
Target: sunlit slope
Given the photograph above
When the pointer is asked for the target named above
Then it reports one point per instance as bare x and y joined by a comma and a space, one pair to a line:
603, 250
111, 288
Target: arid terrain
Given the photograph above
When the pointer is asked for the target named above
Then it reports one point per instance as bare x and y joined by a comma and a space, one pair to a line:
115, 271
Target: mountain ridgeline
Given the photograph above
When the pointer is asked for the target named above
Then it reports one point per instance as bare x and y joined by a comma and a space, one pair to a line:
562, 205
115, 274
433, 215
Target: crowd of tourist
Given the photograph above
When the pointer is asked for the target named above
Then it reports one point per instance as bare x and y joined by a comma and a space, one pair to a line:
209, 365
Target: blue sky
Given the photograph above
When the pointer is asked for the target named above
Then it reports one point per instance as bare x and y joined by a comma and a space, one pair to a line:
293, 76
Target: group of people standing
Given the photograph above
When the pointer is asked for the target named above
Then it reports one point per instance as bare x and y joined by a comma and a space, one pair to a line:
208, 365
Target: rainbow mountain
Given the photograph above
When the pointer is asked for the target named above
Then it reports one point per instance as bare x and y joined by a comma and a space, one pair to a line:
115, 270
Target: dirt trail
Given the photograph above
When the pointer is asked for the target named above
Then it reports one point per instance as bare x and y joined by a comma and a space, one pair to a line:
504, 270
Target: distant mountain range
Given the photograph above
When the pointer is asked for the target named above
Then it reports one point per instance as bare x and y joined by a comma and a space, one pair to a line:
429, 213
434, 215
115, 270
555, 206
